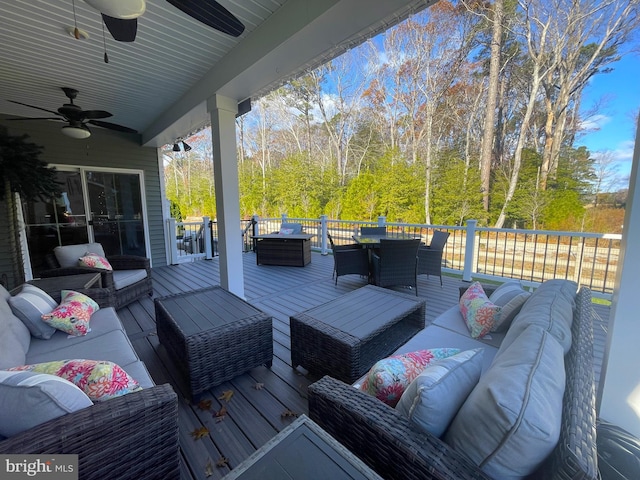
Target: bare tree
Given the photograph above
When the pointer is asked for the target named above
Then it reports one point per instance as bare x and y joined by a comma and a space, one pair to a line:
584, 37
486, 155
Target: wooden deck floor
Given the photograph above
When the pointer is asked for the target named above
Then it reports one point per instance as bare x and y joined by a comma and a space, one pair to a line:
262, 398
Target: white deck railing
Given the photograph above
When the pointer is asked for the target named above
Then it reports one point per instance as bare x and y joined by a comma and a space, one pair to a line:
532, 256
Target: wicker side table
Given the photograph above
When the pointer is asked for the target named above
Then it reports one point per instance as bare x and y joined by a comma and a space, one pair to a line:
213, 335
346, 336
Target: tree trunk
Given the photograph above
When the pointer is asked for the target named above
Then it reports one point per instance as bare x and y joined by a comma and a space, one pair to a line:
13, 235
492, 96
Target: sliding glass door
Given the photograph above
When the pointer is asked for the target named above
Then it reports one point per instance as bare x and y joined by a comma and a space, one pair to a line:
95, 205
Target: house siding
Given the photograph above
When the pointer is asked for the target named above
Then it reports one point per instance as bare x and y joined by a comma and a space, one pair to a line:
104, 148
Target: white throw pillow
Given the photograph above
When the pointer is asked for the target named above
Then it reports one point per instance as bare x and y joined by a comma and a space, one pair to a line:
29, 399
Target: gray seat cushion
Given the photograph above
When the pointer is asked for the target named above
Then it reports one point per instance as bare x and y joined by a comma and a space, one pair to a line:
452, 320
511, 420
124, 278
113, 346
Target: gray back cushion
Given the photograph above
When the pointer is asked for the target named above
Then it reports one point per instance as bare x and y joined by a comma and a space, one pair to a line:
511, 420
15, 337
551, 308
510, 297
68, 255
29, 305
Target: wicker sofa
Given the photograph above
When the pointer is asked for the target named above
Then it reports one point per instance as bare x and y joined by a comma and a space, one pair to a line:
393, 446
127, 437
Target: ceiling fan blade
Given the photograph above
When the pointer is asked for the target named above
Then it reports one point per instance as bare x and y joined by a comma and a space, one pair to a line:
211, 13
112, 126
59, 119
91, 114
33, 106
121, 30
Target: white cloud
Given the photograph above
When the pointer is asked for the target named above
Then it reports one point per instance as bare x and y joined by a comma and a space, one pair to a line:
594, 122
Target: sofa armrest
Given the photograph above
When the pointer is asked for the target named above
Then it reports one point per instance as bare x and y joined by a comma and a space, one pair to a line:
129, 262
129, 437
382, 437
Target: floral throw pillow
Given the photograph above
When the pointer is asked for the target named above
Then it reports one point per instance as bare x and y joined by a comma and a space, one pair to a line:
389, 377
477, 310
94, 260
73, 314
99, 380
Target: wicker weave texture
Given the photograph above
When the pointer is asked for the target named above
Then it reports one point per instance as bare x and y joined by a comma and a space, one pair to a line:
129, 437
289, 252
387, 442
397, 264
214, 355
325, 346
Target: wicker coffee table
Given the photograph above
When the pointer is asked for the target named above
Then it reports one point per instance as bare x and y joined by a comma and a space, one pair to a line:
346, 336
213, 335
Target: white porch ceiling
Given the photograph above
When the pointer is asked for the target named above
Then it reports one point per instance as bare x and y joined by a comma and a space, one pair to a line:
159, 84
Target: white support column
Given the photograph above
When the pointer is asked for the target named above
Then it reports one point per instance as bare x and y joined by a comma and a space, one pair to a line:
619, 391
225, 167
323, 235
469, 250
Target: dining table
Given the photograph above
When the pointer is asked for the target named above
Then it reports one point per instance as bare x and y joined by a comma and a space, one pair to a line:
373, 241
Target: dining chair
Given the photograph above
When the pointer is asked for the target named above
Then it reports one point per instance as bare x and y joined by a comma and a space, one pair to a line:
349, 259
373, 230
396, 264
430, 257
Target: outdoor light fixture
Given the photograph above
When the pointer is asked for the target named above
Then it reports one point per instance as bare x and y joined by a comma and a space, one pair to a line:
176, 147
76, 132
185, 146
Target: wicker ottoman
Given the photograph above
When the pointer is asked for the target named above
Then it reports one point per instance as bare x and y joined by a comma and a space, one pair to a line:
346, 336
213, 335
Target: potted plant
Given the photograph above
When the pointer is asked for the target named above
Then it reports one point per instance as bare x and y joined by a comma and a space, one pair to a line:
21, 172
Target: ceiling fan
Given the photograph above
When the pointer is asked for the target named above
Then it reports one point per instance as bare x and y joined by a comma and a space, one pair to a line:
77, 118
121, 16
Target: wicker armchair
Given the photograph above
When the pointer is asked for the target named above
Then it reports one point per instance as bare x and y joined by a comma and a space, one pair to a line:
430, 257
349, 259
396, 264
129, 280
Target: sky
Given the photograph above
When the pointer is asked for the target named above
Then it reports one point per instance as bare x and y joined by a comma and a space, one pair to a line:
614, 99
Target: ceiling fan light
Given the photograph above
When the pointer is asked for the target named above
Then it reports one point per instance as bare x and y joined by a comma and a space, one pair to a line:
76, 132
186, 147
176, 147
123, 9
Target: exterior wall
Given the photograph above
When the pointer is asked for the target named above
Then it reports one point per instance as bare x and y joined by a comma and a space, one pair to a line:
105, 148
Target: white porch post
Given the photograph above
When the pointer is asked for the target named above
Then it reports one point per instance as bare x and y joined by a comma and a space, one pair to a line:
619, 391
225, 167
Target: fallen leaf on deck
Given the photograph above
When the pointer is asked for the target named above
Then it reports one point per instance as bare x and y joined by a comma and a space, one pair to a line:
199, 433
222, 462
258, 386
288, 413
221, 413
226, 395
204, 404
208, 468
